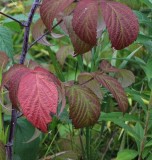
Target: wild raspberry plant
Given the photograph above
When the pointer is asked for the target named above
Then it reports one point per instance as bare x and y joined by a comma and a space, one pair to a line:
36, 92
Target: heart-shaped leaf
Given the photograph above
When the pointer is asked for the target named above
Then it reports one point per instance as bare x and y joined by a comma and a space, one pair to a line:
121, 22
85, 21
38, 98
84, 106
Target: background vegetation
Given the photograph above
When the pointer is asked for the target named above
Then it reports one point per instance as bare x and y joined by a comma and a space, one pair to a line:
115, 136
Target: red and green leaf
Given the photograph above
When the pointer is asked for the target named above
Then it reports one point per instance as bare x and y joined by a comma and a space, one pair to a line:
38, 98
50, 9
115, 88
121, 22
85, 21
86, 79
84, 106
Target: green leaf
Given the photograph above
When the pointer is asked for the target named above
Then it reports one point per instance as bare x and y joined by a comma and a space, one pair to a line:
84, 106
2, 151
6, 43
23, 150
127, 154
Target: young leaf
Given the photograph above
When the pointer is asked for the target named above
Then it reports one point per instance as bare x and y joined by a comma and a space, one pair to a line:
63, 53
125, 77
86, 79
38, 98
50, 10
3, 59
121, 22
115, 88
84, 106
85, 21
80, 46
38, 30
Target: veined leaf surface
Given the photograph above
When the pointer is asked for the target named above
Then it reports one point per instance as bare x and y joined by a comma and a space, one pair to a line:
84, 106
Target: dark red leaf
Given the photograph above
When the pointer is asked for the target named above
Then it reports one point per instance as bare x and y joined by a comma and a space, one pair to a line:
85, 21
80, 46
121, 22
50, 10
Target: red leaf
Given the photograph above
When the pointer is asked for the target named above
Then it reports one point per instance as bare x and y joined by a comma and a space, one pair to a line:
38, 30
85, 21
121, 22
115, 88
84, 106
38, 98
50, 10
80, 46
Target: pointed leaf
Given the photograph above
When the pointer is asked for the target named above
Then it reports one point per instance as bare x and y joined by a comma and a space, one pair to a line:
125, 77
80, 46
86, 79
38, 31
3, 59
85, 21
50, 9
115, 88
84, 106
38, 98
121, 22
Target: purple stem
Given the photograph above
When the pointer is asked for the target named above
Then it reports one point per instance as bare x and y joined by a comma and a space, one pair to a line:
9, 145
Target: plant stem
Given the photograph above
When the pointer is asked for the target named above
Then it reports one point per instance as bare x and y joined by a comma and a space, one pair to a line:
9, 145
9, 149
88, 143
27, 30
22, 24
142, 144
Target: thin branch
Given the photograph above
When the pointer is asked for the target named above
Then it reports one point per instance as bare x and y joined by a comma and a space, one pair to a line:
9, 145
27, 30
22, 24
